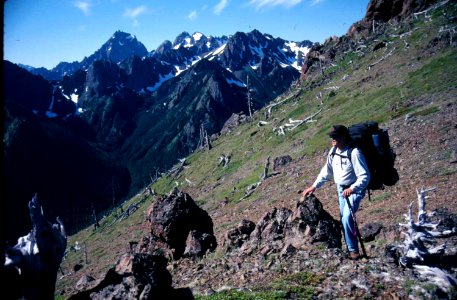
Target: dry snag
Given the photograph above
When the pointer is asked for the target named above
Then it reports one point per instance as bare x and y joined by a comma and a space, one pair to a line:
419, 250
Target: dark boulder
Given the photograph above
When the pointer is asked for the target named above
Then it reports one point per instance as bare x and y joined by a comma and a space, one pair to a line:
171, 220
136, 276
370, 231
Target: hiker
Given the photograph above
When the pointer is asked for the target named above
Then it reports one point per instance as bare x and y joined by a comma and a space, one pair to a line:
351, 177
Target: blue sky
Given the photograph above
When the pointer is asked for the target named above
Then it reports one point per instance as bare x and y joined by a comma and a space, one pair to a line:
46, 32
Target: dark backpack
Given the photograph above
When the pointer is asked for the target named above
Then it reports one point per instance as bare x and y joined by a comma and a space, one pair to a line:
374, 144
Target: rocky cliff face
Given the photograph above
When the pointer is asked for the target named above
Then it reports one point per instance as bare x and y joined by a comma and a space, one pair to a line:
378, 14
385, 10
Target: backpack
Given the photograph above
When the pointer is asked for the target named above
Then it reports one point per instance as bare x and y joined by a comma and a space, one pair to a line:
374, 143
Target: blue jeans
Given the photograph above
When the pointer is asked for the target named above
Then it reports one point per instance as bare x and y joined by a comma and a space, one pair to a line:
350, 234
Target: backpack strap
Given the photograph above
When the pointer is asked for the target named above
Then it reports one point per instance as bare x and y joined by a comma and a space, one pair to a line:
333, 153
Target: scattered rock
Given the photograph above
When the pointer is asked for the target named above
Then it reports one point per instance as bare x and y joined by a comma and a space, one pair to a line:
281, 161
234, 121
237, 236
198, 243
370, 231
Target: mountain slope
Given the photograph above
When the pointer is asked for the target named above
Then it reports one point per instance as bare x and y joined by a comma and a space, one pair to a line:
403, 76
168, 127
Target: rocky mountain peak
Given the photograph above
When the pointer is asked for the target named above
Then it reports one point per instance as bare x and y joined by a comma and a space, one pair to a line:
181, 38
148, 111
119, 47
385, 10
165, 46
186, 40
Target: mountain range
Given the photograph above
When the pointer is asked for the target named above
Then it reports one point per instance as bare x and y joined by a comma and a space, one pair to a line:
123, 114
397, 66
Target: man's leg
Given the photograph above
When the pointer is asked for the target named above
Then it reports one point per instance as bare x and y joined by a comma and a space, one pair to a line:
346, 218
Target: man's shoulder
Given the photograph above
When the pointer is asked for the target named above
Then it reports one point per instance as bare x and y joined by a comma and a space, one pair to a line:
354, 151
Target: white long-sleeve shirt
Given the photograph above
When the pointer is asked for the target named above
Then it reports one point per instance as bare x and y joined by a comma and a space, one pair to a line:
348, 172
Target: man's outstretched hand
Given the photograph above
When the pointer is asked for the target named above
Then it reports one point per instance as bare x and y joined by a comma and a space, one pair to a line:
307, 192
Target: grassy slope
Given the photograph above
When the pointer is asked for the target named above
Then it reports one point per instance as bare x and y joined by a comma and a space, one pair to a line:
402, 83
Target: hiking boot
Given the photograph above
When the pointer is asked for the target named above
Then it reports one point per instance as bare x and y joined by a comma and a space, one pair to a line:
354, 255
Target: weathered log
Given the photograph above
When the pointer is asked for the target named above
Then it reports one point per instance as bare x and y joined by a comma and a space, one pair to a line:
419, 250
224, 160
381, 59
295, 123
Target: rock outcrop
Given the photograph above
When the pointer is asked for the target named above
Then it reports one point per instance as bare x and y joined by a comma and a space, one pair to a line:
178, 227
283, 230
136, 276
379, 15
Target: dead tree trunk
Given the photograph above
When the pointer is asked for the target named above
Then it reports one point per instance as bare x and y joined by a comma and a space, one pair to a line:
224, 160
251, 188
419, 250
94, 214
265, 169
320, 65
204, 142
85, 254
31, 266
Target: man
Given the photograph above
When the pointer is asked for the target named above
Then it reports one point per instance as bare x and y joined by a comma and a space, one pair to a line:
351, 177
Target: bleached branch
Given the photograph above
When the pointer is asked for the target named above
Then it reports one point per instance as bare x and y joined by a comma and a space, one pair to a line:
424, 12
177, 168
279, 130
224, 160
418, 248
295, 123
381, 59
251, 188
332, 88
437, 276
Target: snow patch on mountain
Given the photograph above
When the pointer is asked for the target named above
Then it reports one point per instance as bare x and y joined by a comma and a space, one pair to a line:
236, 82
299, 51
197, 36
162, 79
74, 98
216, 52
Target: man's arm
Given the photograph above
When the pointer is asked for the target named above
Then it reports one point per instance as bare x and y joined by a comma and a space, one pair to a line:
361, 171
325, 175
